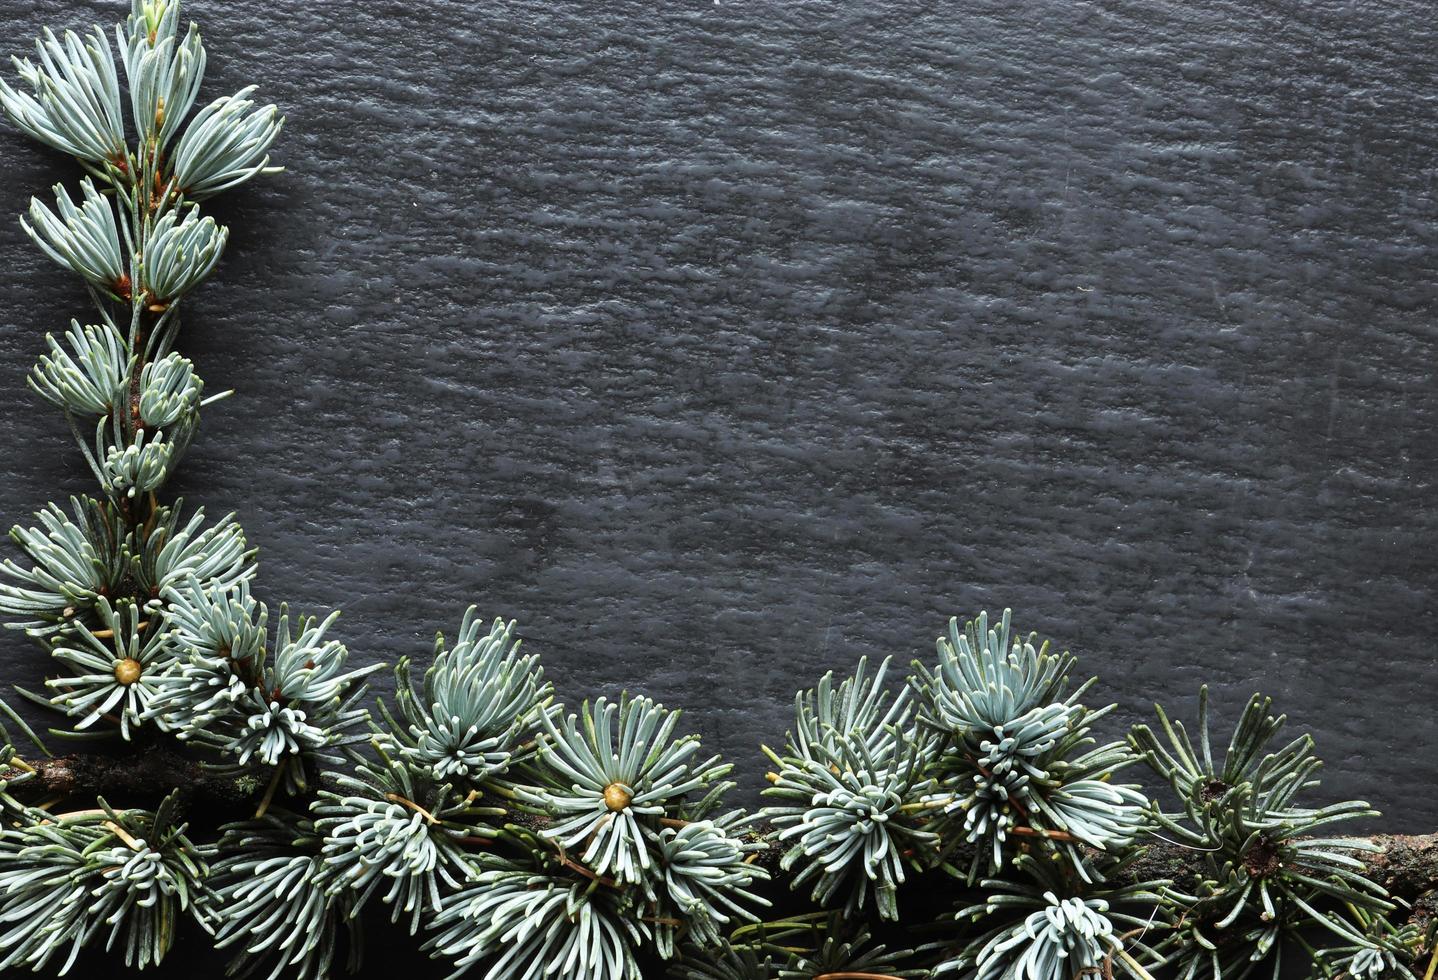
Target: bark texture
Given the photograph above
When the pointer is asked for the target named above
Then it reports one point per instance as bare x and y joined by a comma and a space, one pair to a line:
1407, 867
143, 778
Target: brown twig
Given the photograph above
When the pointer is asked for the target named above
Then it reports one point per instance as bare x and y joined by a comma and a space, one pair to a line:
1108, 959
123, 834
147, 775
572, 865
269, 792
396, 798
1022, 831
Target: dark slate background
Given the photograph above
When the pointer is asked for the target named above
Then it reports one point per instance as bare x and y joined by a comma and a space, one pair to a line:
722, 344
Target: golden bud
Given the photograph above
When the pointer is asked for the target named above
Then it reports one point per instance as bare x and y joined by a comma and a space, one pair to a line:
617, 796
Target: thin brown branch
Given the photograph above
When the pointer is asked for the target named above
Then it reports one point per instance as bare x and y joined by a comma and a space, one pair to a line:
403, 801
140, 778
1062, 835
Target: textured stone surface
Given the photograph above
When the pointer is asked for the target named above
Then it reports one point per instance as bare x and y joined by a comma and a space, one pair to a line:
723, 344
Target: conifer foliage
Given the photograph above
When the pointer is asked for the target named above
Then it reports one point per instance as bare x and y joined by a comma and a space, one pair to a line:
961, 819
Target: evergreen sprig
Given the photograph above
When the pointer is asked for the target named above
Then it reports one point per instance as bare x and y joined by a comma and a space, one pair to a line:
1265, 877
127, 877
397, 834
528, 925
1014, 756
526, 840
612, 774
281, 917
1040, 924
476, 707
853, 781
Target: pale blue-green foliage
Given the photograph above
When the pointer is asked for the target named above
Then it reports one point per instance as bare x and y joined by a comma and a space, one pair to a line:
1386, 951
536, 844
1015, 754
224, 686
1374, 963
169, 391
1266, 869
279, 917
398, 834
225, 145
308, 667
138, 468
286, 706
74, 100
99, 587
224, 622
609, 771
826, 720
984, 747
72, 562
75, 106
76, 557
174, 555
1103, 815
182, 253
45, 883
392, 845
849, 832
633, 852
124, 878
853, 767
1044, 924
1064, 938
273, 731
83, 237
199, 692
526, 925
115, 676
707, 880
479, 702
147, 614
404, 830
989, 678
164, 71
148, 21
87, 375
